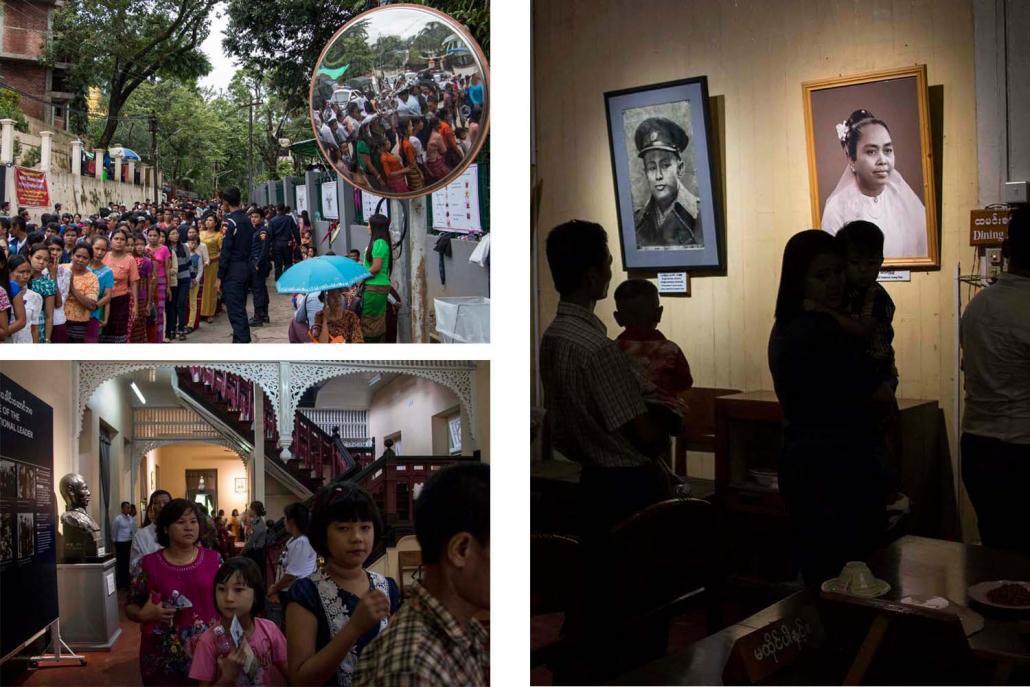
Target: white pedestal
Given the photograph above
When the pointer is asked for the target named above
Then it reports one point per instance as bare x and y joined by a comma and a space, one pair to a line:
88, 602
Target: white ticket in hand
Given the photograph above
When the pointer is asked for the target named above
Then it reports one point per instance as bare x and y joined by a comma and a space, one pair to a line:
236, 630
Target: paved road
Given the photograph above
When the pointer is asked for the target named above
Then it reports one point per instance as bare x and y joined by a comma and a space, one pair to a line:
280, 310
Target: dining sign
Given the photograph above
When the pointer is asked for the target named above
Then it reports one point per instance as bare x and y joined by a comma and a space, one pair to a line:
988, 227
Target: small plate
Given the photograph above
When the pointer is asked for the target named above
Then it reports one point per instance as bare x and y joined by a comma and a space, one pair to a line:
978, 593
972, 622
879, 588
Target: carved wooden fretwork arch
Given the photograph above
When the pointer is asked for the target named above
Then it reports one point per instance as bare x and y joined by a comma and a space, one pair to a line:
454, 375
142, 448
94, 374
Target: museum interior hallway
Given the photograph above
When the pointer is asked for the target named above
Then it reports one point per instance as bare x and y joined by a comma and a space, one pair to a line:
220, 434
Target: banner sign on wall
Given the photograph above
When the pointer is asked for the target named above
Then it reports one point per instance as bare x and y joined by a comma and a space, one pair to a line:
28, 515
456, 206
330, 208
302, 199
31, 188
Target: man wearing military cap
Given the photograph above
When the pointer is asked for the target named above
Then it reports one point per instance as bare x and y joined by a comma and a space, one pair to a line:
671, 216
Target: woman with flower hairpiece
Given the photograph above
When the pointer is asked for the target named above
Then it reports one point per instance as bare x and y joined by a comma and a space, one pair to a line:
871, 189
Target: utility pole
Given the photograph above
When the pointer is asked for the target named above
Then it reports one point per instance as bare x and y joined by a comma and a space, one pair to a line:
250, 144
250, 152
153, 150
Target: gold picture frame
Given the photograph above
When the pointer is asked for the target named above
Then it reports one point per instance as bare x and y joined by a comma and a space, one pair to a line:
900, 95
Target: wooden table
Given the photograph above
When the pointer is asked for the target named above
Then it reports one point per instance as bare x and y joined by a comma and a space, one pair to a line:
912, 565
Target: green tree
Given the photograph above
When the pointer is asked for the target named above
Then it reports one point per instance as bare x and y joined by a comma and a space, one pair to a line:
119, 45
283, 39
9, 110
193, 133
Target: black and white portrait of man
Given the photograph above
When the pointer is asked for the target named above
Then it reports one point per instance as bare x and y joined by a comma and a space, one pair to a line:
666, 210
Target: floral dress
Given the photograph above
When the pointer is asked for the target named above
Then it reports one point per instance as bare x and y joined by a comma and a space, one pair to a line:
46, 288
333, 606
165, 652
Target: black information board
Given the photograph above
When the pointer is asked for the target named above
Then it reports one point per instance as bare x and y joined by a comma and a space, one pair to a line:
28, 517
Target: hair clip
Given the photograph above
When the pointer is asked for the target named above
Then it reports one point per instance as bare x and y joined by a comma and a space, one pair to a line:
842, 131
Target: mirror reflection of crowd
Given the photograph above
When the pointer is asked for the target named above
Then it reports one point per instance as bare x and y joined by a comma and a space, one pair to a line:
833, 366
408, 136
214, 612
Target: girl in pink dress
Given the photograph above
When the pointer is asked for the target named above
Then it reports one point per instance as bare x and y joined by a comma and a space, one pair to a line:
171, 596
240, 594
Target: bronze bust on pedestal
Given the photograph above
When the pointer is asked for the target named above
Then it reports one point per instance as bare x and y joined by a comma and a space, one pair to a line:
81, 532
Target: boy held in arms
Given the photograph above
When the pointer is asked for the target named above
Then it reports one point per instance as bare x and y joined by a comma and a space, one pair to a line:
664, 368
868, 312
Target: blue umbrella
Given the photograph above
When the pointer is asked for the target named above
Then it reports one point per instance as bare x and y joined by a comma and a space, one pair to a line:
126, 153
322, 274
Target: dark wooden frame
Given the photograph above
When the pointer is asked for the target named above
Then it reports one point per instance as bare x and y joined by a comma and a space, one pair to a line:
718, 232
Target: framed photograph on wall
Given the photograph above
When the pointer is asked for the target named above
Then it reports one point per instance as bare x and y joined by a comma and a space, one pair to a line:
670, 216
870, 158
241, 485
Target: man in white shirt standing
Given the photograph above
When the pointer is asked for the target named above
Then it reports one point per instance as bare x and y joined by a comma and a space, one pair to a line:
996, 423
122, 530
145, 539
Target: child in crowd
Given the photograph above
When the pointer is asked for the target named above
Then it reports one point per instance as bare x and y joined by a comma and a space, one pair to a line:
332, 615
666, 373
196, 277
260, 657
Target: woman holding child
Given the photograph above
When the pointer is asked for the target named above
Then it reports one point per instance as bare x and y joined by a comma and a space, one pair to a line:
830, 475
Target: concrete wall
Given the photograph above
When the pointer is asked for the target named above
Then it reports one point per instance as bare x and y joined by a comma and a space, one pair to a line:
109, 407
349, 392
755, 55
464, 278
89, 194
85, 194
408, 405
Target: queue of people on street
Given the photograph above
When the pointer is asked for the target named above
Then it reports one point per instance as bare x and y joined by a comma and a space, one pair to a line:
409, 136
157, 273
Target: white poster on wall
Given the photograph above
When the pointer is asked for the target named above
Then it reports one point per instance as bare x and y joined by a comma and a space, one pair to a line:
302, 199
456, 207
330, 206
369, 203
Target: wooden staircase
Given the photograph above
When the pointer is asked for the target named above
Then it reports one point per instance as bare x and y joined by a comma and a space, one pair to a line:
318, 457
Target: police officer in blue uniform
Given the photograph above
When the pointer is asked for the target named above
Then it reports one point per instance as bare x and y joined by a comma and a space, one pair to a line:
671, 216
281, 231
234, 264
259, 267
